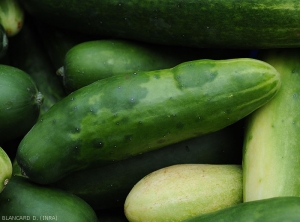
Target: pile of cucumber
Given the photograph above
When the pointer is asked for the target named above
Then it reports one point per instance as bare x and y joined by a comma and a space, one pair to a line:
149, 111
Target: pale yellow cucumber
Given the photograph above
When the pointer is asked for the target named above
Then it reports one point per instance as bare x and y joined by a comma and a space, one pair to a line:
5, 169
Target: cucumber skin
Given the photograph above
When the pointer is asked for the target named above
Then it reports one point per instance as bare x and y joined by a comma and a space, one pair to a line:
103, 190
182, 191
6, 169
20, 103
97, 59
271, 148
27, 53
222, 23
122, 116
21, 197
276, 209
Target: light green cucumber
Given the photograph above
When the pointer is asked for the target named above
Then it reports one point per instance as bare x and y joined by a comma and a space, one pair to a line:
122, 116
271, 152
11, 16
182, 191
6, 169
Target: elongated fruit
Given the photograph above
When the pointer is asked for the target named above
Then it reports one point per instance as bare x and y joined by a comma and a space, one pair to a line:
122, 116
11, 16
220, 23
20, 102
276, 209
24, 200
272, 144
6, 169
182, 191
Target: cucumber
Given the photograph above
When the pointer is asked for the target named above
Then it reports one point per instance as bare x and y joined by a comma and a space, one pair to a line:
20, 103
28, 54
107, 186
6, 169
24, 200
271, 147
122, 116
92, 60
207, 24
3, 43
276, 209
11, 16
182, 191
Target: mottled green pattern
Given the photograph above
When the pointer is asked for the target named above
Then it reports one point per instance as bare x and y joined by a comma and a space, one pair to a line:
122, 116
199, 23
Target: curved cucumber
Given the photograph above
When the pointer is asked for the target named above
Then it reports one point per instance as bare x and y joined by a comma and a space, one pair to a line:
6, 169
11, 16
276, 209
104, 190
20, 102
22, 198
207, 24
93, 60
271, 150
27, 53
122, 116
182, 191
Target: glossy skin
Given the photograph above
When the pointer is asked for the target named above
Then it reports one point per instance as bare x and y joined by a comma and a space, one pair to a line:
271, 150
197, 23
122, 116
6, 169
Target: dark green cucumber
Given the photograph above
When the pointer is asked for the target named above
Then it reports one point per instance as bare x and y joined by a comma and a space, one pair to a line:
20, 102
11, 16
107, 186
271, 148
122, 116
3, 42
276, 209
25, 200
93, 60
27, 53
219, 23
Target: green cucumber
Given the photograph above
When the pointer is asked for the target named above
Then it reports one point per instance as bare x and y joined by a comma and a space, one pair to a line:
207, 24
27, 53
122, 116
3, 43
6, 169
20, 102
271, 148
24, 200
11, 16
276, 209
179, 192
107, 186
93, 60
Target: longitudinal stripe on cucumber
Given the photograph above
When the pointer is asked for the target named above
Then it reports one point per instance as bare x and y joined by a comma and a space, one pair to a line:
122, 116
220, 23
272, 146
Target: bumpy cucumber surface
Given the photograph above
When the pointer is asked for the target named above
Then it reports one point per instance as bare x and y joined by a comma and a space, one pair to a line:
93, 60
107, 186
20, 102
219, 23
122, 116
24, 200
182, 191
11, 16
6, 169
276, 209
28, 53
271, 150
